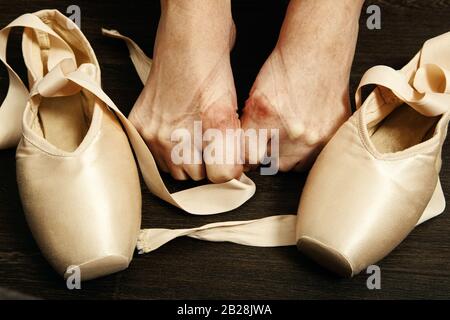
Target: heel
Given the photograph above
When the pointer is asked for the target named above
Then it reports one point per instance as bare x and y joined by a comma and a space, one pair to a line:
436, 206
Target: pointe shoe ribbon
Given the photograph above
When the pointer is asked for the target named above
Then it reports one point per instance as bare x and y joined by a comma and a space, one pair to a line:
57, 84
272, 231
429, 94
14, 104
142, 63
427, 90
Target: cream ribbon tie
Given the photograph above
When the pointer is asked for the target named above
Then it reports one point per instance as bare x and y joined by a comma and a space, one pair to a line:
56, 82
428, 92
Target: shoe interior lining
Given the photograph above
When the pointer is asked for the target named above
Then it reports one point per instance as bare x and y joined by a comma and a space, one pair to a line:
64, 121
401, 129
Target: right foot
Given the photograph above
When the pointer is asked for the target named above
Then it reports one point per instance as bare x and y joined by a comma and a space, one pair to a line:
190, 80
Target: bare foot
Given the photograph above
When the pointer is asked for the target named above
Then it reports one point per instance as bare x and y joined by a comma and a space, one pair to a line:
302, 89
190, 80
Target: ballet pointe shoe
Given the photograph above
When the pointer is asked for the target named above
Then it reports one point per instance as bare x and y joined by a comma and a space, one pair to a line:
378, 177
78, 182
76, 173
81, 194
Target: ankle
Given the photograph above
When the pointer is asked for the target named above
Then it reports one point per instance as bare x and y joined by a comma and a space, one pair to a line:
196, 24
326, 20
192, 7
193, 15
325, 9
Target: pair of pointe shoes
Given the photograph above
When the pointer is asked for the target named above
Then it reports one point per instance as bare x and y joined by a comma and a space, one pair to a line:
375, 180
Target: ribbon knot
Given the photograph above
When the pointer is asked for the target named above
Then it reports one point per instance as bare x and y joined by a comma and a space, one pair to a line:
431, 84
56, 83
427, 91
432, 78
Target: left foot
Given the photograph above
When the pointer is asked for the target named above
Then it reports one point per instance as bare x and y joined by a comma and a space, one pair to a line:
302, 89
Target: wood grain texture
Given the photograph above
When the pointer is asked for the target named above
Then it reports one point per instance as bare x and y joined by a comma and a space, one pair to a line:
190, 269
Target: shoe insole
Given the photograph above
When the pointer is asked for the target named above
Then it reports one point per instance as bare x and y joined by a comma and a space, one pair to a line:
401, 129
63, 121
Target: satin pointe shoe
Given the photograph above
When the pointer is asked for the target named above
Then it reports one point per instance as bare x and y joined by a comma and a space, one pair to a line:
378, 177
76, 173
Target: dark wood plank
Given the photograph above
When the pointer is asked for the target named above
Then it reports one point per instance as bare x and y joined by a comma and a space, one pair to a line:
188, 268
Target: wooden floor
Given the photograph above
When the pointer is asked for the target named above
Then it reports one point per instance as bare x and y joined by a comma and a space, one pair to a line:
189, 269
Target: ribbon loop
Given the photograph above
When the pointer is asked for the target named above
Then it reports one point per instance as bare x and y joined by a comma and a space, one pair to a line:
56, 83
429, 93
432, 78
426, 89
